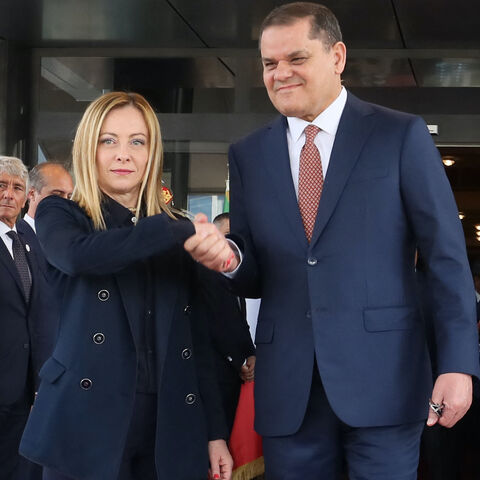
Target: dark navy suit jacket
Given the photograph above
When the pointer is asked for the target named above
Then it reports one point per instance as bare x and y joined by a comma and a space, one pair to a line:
25, 339
79, 428
348, 299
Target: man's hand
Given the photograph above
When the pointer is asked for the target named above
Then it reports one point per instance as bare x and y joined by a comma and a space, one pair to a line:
221, 462
210, 247
454, 391
247, 372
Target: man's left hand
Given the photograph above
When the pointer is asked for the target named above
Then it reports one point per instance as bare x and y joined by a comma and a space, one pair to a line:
454, 392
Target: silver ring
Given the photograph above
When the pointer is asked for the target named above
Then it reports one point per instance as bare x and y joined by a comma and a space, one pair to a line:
436, 407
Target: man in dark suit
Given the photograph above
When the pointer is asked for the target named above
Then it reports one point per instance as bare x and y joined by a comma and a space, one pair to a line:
24, 345
233, 349
328, 205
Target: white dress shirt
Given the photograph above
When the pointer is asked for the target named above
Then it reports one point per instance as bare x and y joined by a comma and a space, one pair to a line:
30, 221
4, 228
328, 122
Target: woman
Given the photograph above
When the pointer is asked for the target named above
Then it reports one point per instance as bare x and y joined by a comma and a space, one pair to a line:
127, 393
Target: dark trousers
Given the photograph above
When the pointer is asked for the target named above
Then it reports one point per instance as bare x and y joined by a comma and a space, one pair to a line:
317, 449
12, 465
452, 453
138, 461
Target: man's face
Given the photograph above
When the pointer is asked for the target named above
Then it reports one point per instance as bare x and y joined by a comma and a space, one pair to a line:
13, 196
302, 77
58, 182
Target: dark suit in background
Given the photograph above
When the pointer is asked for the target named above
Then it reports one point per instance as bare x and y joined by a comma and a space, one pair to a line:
25, 343
230, 336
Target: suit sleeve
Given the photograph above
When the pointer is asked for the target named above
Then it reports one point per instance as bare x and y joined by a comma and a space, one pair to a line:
433, 214
73, 247
246, 281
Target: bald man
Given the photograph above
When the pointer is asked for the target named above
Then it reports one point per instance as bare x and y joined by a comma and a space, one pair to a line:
47, 179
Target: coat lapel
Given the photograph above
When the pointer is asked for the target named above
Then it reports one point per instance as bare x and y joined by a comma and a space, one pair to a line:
277, 163
354, 128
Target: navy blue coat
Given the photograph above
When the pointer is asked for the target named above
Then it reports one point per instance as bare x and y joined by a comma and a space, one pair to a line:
348, 299
25, 339
81, 432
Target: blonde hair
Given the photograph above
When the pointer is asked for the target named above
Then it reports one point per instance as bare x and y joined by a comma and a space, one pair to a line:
87, 192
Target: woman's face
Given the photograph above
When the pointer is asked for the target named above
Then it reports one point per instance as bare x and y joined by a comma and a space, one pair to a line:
122, 154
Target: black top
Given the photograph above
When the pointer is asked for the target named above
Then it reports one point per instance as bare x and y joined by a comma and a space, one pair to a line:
143, 331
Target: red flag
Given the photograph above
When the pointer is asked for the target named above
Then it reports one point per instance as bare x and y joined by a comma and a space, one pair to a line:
245, 443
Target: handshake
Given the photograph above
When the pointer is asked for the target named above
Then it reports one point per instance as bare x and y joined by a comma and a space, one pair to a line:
209, 246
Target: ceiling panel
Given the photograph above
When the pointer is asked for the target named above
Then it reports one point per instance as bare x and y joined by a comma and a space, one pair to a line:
439, 23
50, 23
237, 22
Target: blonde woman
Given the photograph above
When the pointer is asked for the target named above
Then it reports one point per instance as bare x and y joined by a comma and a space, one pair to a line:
128, 392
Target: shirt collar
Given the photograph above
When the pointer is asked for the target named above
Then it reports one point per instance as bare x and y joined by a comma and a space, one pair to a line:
4, 228
29, 220
327, 121
115, 214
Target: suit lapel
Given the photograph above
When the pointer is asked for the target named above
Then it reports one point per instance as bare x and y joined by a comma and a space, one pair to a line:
277, 163
7, 260
354, 128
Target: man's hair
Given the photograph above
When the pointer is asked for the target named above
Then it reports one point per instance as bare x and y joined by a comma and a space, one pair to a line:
14, 167
219, 219
87, 192
36, 175
324, 24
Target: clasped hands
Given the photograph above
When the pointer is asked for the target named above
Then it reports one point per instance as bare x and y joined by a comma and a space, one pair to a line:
210, 247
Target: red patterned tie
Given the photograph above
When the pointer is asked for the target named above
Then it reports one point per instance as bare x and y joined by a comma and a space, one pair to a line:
310, 180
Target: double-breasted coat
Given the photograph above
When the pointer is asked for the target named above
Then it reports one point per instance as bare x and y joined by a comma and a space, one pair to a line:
79, 422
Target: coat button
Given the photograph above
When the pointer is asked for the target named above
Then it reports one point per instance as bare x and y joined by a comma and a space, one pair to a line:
98, 338
86, 383
103, 295
308, 314
187, 310
312, 261
190, 399
186, 353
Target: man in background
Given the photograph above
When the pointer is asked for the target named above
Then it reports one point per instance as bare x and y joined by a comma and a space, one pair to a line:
234, 352
24, 311
46, 179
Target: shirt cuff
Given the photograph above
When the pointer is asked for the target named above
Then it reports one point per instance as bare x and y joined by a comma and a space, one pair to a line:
239, 254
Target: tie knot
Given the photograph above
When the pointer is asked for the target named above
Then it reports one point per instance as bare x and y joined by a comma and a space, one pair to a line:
310, 133
13, 235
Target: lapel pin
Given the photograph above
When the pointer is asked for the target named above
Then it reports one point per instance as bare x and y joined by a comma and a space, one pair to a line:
27, 247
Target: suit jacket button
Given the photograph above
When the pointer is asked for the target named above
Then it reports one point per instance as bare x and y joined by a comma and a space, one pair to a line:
186, 353
98, 338
309, 314
190, 399
86, 383
187, 310
312, 261
103, 295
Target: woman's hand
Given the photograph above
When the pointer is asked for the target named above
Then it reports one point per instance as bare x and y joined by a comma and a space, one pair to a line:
221, 462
